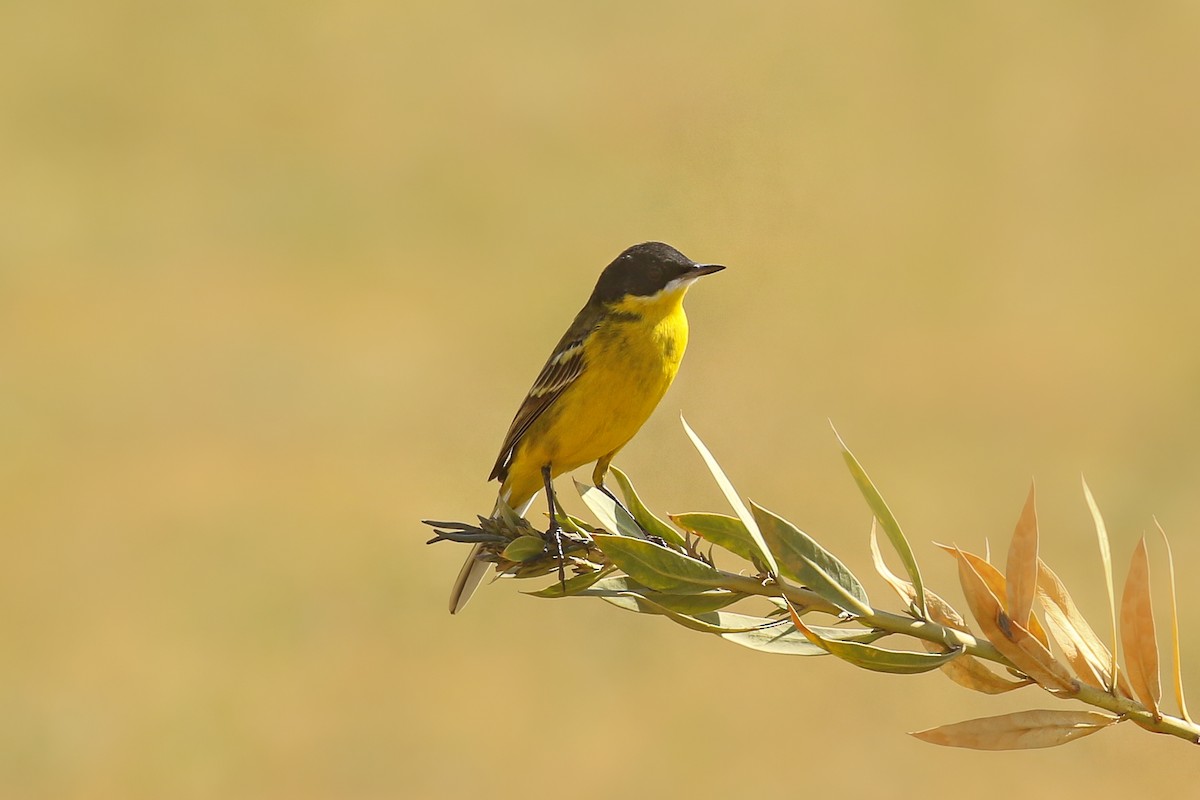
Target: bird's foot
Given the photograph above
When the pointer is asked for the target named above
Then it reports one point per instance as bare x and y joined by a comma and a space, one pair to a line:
554, 537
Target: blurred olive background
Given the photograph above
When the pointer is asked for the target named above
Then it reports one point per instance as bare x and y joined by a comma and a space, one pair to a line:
274, 277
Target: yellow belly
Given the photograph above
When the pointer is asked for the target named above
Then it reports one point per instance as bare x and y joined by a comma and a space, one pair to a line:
630, 366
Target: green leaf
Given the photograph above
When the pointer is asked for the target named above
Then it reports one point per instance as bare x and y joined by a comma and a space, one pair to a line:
614, 585
847, 634
573, 586
781, 640
573, 524
525, 548
897, 662
719, 529
802, 559
725, 622
696, 604
877, 659
734, 500
699, 603
644, 516
506, 513
657, 567
887, 520
784, 639
612, 516
717, 622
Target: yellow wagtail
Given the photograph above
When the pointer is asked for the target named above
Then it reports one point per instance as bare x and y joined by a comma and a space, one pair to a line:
604, 378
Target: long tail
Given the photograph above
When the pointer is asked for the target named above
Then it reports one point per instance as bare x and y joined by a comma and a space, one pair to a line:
473, 570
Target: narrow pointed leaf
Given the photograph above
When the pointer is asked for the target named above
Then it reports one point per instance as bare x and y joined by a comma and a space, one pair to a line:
1013, 640
573, 524
1023, 730
735, 501
615, 584
1081, 646
644, 516
1183, 711
902, 587
694, 604
831, 634
998, 584
943, 613
697, 604
1072, 648
782, 640
887, 520
657, 567
971, 673
1138, 636
720, 529
897, 662
1106, 560
786, 640
525, 548
876, 659
940, 611
573, 586
507, 514
716, 622
965, 670
612, 517
720, 622
1022, 567
800, 558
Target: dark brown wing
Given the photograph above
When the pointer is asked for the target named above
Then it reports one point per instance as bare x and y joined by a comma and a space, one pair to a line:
561, 370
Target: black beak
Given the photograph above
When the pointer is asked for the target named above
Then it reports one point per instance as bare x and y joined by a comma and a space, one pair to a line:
705, 269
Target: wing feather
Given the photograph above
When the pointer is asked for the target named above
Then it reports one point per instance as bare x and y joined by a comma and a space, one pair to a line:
561, 370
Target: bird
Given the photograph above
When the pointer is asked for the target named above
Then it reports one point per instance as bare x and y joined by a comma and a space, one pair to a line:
604, 378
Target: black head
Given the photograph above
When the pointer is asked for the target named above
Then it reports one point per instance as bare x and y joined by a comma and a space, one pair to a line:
645, 270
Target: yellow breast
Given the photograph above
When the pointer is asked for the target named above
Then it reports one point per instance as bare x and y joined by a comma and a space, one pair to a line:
631, 359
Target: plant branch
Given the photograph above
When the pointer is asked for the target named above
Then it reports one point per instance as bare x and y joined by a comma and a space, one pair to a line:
930, 631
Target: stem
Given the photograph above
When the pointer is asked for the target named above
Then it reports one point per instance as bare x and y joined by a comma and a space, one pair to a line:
803, 599
1137, 712
806, 600
891, 622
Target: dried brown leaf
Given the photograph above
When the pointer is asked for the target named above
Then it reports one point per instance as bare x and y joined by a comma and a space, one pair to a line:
1082, 648
971, 673
1024, 730
1175, 628
943, 613
1021, 569
1065, 637
1106, 561
996, 582
966, 670
1139, 639
900, 586
1012, 639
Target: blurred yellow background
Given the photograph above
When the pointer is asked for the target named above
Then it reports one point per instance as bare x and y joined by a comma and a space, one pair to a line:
274, 277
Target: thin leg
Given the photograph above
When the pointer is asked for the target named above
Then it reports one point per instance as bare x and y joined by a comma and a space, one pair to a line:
555, 529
